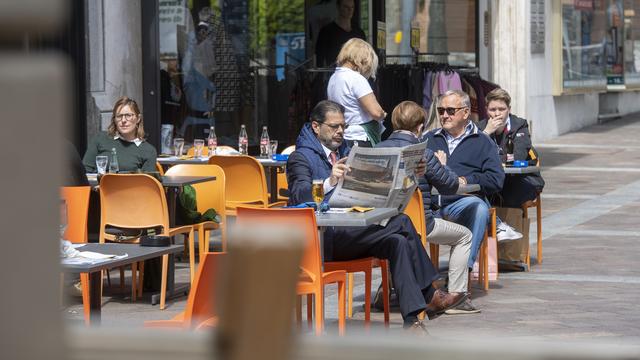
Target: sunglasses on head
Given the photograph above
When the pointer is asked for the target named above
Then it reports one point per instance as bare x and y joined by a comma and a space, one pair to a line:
450, 111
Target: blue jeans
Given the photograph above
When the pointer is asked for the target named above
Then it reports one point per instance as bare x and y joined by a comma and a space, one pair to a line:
473, 213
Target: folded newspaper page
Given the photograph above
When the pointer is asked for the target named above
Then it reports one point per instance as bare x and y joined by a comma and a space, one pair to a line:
379, 177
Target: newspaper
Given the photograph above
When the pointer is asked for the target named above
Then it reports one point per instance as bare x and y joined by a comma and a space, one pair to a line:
379, 177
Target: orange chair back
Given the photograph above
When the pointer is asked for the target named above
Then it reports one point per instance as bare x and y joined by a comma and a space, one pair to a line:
245, 179
302, 218
77, 200
133, 201
201, 301
415, 211
209, 194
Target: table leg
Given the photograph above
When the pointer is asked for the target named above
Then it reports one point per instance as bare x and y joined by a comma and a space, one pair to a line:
95, 297
172, 291
273, 183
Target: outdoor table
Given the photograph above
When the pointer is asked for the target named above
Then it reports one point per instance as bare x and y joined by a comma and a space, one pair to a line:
136, 253
510, 170
271, 167
462, 189
324, 220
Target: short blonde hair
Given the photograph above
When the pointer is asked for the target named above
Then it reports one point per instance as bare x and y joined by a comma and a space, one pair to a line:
408, 116
498, 94
112, 130
359, 54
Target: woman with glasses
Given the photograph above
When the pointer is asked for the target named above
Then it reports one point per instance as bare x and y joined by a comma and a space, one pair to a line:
348, 86
126, 135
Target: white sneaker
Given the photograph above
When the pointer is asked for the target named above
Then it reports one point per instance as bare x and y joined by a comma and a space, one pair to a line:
505, 232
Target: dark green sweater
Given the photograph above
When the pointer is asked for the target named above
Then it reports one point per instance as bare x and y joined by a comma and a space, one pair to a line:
130, 156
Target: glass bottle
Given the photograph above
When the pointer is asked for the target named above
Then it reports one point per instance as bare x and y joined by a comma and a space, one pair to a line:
264, 143
212, 141
113, 162
243, 141
509, 149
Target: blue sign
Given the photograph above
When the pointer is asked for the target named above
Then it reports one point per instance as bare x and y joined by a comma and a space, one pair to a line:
291, 47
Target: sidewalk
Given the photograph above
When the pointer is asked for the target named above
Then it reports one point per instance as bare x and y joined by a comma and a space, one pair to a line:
587, 287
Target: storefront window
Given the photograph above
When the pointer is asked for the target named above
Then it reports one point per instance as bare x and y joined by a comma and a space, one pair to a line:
584, 44
216, 59
632, 42
447, 31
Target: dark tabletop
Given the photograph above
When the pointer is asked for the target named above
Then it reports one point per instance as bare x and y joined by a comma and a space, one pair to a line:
135, 253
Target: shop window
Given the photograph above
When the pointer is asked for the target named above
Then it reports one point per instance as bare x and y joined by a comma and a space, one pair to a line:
631, 45
447, 31
217, 59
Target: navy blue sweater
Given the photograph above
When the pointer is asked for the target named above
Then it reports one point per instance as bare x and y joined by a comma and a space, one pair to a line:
307, 163
443, 178
476, 158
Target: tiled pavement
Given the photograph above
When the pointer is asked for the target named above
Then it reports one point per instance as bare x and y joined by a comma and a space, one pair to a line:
587, 287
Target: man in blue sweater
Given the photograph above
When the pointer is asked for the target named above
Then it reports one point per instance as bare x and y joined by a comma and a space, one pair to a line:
474, 157
320, 154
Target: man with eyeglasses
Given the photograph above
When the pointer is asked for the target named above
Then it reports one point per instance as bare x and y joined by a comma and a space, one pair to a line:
474, 157
321, 153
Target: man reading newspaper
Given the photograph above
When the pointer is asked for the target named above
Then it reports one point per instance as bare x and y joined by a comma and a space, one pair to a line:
320, 154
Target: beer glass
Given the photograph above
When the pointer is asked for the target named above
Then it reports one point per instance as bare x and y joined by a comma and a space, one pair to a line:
317, 192
178, 145
198, 145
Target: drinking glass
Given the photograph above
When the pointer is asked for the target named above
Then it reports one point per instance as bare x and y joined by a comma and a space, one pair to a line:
317, 192
178, 145
273, 147
198, 145
101, 164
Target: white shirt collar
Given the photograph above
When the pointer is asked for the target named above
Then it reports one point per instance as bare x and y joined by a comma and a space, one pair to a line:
136, 141
327, 151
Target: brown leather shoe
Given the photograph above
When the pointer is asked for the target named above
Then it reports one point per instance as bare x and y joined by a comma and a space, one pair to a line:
417, 329
442, 301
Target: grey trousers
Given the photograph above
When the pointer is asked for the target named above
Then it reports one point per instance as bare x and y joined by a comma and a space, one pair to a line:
459, 238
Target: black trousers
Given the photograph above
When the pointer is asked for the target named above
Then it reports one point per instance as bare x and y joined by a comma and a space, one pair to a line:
398, 242
516, 190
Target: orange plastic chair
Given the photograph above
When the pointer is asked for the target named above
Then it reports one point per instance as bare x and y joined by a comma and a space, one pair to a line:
159, 168
137, 201
200, 310
246, 184
288, 150
537, 203
77, 201
312, 279
209, 195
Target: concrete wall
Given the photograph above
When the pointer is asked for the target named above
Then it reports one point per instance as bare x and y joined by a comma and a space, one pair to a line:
114, 58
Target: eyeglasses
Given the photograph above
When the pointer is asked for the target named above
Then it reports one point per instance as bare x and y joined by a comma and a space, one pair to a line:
450, 111
128, 116
335, 127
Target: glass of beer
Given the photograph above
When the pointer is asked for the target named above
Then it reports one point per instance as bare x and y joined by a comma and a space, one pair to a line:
317, 191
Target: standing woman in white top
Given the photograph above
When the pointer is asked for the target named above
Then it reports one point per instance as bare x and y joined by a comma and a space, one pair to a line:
348, 86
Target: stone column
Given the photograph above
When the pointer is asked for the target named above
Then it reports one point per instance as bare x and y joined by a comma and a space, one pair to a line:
114, 56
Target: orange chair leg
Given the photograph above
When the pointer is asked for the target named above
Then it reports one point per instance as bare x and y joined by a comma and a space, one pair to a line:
121, 277
319, 311
350, 295
163, 285
367, 298
525, 215
384, 267
434, 254
539, 225
341, 303
86, 304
